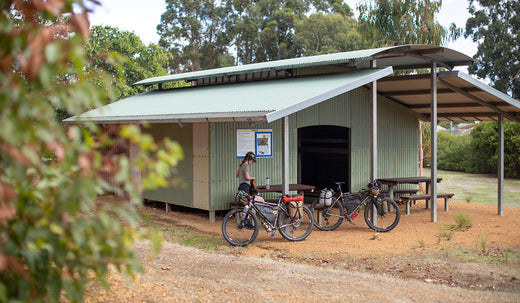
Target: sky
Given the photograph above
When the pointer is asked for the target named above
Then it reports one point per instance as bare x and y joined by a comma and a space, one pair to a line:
142, 17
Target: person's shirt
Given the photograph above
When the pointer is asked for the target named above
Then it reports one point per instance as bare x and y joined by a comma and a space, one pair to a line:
242, 173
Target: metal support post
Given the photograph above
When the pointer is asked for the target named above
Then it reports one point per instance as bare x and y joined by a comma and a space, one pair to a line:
285, 156
433, 183
500, 171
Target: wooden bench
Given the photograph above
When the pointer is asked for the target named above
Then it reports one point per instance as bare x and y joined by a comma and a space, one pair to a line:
402, 191
411, 198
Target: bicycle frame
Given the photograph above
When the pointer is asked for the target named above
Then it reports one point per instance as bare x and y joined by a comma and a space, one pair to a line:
364, 201
348, 205
359, 205
270, 226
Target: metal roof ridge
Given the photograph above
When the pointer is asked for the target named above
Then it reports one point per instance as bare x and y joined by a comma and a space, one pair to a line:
277, 64
300, 62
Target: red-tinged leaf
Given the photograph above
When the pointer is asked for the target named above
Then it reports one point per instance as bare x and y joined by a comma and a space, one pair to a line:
6, 212
81, 24
54, 6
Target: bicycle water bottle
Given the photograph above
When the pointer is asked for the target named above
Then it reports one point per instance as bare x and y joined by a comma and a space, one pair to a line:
244, 212
267, 227
354, 215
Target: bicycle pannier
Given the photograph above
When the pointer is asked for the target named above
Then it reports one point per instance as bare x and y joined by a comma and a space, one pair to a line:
296, 209
325, 197
269, 211
352, 200
295, 206
351, 206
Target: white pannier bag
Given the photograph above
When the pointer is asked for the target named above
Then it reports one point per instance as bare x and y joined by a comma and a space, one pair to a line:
325, 197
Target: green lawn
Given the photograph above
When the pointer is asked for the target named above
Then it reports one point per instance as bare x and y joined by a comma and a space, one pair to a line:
477, 188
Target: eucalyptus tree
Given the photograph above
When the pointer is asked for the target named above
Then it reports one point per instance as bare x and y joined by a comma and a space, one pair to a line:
138, 61
265, 30
495, 26
328, 33
197, 33
203, 34
394, 22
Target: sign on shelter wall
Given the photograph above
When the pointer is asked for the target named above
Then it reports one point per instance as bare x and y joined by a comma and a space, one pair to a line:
259, 141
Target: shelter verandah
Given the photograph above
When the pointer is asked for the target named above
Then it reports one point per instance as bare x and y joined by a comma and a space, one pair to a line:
283, 94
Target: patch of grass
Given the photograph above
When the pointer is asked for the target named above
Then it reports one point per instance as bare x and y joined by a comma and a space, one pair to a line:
463, 221
477, 188
492, 254
445, 251
446, 231
421, 242
510, 256
187, 236
482, 244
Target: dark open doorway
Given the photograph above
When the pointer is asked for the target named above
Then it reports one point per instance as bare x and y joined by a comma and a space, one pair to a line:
324, 156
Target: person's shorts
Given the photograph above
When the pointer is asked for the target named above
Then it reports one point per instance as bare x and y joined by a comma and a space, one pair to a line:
245, 187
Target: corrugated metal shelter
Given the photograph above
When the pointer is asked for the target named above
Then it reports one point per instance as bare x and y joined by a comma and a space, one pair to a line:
346, 116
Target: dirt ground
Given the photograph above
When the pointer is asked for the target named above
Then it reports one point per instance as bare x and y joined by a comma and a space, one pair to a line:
414, 262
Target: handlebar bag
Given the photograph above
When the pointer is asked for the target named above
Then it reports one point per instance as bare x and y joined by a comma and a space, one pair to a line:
242, 197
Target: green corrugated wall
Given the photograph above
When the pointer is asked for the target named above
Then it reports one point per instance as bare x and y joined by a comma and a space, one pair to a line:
398, 143
181, 194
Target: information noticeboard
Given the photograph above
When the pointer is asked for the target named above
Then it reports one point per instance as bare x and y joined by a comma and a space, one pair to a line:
259, 141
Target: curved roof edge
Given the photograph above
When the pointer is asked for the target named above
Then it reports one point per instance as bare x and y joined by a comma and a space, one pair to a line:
400, 57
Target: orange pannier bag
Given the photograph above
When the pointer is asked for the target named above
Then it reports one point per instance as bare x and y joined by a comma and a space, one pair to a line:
289, 198
295, 205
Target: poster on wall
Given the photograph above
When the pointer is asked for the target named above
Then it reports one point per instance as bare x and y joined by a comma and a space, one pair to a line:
259, 141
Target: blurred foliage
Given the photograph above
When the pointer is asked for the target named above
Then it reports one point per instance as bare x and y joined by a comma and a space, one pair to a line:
55, 235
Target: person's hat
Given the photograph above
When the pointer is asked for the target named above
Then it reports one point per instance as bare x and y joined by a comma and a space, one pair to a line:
251, 155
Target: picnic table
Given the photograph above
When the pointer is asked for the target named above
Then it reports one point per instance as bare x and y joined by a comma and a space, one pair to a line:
277, 188
391, 182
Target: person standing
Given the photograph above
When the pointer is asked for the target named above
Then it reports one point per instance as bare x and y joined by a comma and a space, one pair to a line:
244, 172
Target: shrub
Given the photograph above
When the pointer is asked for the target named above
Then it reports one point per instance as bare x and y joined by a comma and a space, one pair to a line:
454, 152
463, 221
54, 237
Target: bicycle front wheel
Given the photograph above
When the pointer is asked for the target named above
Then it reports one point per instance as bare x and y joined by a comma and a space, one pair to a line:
388, 214
239, 233
327, 217
295, 229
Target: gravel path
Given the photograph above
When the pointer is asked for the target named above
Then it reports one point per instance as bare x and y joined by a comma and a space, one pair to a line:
184, 274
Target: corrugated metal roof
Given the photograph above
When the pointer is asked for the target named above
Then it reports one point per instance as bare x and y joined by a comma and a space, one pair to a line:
396, 56
266, 100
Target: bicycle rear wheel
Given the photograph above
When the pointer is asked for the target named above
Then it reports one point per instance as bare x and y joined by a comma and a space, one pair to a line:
239, 233
295, 229
327, 217
388, 214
